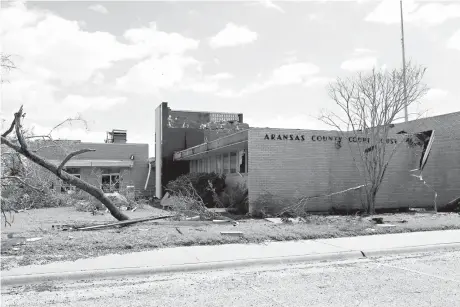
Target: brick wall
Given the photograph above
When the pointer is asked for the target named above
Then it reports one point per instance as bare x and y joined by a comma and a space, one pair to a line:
111, 151
314, 166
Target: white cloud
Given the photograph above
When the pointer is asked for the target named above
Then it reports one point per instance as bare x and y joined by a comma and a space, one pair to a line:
149, 40
435, 94
205, 84
153, 74
437, 101
232, 35
359, 64
98, 78
314, 17
270, 5
426, 14
454, 41
53, 48
293, 73
318, 81
363, 51
287, 74
98, 8
77, 103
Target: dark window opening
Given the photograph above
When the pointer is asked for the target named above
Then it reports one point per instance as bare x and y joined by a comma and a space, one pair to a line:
242, 162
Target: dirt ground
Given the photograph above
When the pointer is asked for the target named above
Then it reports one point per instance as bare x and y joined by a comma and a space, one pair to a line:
57, 245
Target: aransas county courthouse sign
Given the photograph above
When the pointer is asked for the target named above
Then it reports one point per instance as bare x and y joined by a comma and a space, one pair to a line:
320, 138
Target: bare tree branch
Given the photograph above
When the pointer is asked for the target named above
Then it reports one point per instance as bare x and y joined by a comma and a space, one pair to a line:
23, 182
71, 155
5, 134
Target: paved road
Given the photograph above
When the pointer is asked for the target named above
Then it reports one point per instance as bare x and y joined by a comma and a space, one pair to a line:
410, 280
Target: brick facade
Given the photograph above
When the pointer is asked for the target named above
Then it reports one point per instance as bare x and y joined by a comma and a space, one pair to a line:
315, 165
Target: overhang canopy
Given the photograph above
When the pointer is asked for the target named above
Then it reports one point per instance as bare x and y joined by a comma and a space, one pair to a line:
236, 141
96, 163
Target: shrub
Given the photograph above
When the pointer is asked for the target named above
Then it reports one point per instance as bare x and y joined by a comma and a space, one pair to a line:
267, 205
237, 198
203, 183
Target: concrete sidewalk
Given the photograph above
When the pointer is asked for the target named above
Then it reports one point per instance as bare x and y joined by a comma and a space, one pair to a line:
193, 258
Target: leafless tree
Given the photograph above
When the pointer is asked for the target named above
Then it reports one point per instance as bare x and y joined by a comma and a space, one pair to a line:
6, 64
369, 104
20, 145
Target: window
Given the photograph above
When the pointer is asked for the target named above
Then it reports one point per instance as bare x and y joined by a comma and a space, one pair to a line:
66, 187
226, 162
190, 166
242, 161
233, 162
200, 165
219, 164
110, 182
212, 165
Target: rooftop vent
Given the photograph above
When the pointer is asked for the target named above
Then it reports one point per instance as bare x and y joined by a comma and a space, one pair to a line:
116, 136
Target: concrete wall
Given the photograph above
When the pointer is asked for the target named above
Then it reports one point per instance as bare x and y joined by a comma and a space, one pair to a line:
313, 166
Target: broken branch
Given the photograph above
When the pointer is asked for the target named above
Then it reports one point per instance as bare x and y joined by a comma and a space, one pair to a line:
23, 182
71, 155
125, 223
9, 130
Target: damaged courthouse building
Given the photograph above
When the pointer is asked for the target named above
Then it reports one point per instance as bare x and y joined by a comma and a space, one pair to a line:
292, 163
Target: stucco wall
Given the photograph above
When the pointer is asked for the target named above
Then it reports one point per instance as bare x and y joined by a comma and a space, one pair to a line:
293, 168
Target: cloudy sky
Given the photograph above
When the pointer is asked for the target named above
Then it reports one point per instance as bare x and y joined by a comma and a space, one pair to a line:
114, 62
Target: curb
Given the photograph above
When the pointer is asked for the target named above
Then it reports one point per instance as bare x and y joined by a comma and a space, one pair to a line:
411, 249
16, 280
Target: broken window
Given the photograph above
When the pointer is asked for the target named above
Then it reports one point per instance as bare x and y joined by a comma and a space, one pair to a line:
67, 187
426, 138
421, 139
110, 182
242, 160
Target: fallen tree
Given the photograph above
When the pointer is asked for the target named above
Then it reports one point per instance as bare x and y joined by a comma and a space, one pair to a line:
20, 146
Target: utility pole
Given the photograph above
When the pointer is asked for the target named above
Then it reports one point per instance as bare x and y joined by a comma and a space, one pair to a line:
404, 62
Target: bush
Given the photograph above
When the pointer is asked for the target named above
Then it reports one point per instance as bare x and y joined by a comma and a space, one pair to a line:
237, 199
269, 205
203, 183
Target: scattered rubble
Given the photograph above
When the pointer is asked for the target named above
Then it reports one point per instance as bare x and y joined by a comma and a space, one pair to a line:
33, 239
232, 233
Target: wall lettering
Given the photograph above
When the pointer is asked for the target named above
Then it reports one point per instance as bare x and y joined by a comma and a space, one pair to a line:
322, 138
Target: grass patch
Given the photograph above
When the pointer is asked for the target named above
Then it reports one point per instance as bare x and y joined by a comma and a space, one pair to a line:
58, 245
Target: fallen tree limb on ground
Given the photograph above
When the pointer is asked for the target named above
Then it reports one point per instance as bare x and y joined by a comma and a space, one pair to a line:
125, 223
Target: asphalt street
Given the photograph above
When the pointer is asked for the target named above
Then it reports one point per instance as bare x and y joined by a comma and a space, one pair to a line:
430, 279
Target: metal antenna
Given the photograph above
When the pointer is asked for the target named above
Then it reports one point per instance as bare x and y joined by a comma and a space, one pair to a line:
404, 62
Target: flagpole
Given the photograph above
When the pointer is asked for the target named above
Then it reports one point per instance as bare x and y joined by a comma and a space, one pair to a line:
404, 62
